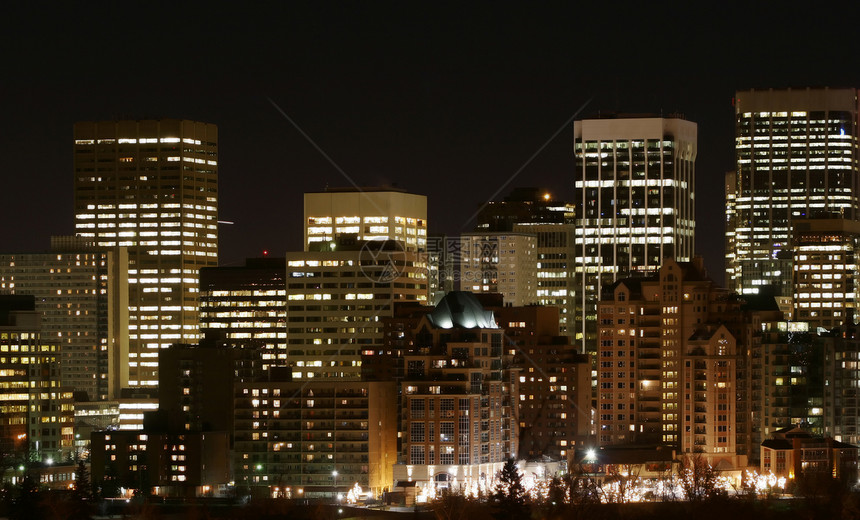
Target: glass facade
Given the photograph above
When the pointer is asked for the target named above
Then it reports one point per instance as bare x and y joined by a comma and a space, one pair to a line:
635, 181
796, 159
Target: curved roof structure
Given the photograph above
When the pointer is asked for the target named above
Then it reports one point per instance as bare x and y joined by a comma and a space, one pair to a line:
460, 309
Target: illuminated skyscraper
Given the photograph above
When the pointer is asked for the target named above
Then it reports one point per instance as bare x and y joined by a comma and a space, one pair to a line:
635, 179
151, 186
797, 158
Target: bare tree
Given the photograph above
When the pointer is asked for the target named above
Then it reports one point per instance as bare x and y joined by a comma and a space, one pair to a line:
620, 483
698, 478
668, 484
582, 489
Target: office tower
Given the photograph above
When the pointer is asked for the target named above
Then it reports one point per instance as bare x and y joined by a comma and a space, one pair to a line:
796, 159
554, 383
336, 301
315, 439
363, 253
367, 213
151, 186
826, 256
458, 415
82, 294
247, 305
37, 419
634, 185
536, 212
671, 359
503, 263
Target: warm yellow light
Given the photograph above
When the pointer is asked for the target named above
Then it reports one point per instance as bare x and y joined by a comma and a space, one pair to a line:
546, 196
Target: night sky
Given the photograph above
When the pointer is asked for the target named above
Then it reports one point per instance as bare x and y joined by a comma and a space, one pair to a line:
445, 101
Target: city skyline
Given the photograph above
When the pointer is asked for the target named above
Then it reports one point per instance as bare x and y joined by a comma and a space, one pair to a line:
448, 104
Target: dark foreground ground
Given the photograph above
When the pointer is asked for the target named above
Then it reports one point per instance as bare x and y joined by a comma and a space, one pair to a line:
846, 506
831, 507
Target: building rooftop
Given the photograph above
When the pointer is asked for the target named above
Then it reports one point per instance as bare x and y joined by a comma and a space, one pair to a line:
356, 189
461, 309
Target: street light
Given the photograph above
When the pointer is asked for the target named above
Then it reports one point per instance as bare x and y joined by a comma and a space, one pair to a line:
590, 454
334, 477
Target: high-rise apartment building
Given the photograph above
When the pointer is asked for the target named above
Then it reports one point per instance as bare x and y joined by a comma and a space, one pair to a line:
175, 463
501, 262
82, 294
788, 383
634, 186
554, 399
315, 439
670, 364
841, 372
367, 213
797, 158
195, 382
457, 407
151, 186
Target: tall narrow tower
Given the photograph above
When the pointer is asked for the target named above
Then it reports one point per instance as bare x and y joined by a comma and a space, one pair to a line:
635, 179
152, 186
